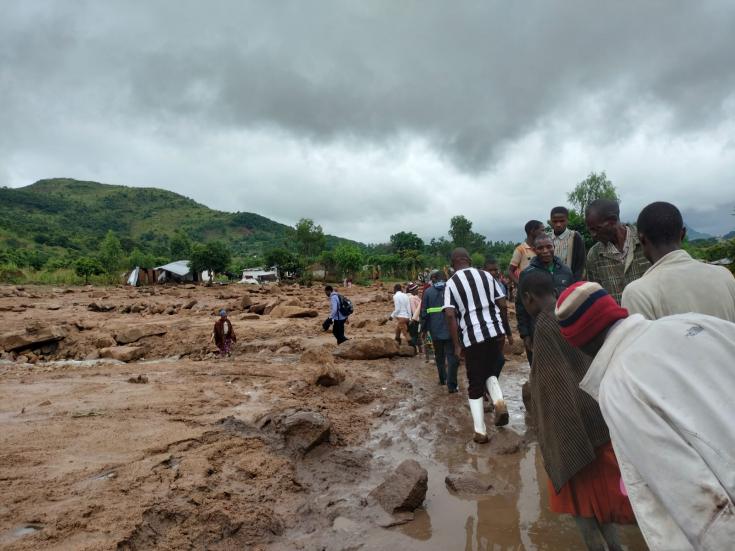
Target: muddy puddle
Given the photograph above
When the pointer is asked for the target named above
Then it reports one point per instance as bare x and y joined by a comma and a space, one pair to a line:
435, 429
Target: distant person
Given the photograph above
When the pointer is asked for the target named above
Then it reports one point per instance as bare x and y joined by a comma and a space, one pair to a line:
477, 317
562, 277
665, 389
676, 283
568, 244
413, 325
337, 318
402, 313
434, 323
617, 258
524, 253
491, 267
223, 335
583, 473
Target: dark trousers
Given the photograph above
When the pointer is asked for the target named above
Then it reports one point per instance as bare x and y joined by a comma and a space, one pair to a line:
483, 360
446, 362
338, 330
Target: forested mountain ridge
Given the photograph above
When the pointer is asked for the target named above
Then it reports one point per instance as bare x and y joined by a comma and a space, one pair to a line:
66, 216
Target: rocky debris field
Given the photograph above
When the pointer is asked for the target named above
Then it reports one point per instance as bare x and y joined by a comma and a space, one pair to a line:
122, 429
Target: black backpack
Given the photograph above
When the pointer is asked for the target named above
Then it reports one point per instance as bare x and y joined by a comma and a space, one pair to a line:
345, 306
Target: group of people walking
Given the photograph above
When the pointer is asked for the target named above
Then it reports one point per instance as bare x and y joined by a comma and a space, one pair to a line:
631, 347
632, 354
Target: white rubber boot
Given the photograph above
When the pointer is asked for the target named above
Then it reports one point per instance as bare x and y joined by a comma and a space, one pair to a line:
478, 418
496, 395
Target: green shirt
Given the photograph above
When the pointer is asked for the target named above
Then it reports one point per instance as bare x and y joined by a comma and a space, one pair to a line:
608, 267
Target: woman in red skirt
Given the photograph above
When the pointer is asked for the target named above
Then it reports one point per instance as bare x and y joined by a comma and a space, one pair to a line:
584, 477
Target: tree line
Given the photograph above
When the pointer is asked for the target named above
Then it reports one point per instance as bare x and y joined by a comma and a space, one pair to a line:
404, 256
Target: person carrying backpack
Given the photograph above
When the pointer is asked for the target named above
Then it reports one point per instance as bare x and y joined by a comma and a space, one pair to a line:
340, 309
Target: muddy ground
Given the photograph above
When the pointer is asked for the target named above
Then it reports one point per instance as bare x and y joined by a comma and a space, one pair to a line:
121, 429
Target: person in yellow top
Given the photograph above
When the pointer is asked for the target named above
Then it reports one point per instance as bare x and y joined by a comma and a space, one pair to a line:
524, 253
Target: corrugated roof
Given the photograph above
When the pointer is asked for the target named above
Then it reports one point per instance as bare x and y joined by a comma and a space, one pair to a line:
180, 267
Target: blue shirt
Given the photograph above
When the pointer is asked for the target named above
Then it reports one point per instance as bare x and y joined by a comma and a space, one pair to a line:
334, 313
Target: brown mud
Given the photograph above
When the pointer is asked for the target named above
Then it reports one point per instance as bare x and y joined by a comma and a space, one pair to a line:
271, 449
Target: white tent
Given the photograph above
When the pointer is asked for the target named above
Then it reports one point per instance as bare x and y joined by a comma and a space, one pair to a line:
178, 270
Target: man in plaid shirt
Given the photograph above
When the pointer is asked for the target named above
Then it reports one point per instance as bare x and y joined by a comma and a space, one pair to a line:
617, 258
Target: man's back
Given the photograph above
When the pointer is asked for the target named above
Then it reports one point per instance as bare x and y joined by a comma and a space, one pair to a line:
472, 293
678, 284
665, 389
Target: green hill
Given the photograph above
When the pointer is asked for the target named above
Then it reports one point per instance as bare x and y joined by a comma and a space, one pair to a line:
62, 217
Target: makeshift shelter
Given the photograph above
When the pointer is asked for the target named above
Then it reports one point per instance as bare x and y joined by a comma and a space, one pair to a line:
140, 276
175, 271
255, 276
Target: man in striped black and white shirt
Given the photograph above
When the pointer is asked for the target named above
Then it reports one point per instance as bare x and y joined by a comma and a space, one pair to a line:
476, 310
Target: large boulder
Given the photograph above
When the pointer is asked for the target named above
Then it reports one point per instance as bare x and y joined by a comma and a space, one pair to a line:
123, 353
283, 311
245, 301
32, 337
137, 332
404, 489
258, 308
301, 430
368, 349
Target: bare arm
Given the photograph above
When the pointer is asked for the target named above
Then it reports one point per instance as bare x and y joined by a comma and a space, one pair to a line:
451, 318
503, 307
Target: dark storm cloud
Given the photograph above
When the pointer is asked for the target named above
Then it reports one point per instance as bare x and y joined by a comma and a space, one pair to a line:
497, 91
469, 77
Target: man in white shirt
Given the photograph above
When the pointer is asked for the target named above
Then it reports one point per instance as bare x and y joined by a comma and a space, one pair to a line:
676, 283
401, 313
665, 391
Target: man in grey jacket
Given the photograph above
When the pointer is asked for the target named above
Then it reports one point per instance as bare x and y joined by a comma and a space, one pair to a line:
434, 323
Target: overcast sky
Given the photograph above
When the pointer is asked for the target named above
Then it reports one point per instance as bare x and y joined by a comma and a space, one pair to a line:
380, 116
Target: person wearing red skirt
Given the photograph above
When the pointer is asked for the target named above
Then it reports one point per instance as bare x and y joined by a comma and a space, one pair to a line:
584, 477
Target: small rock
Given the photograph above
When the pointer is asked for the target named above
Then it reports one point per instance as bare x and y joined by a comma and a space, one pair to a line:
104, 341
404, 489
99, 307
467, 484
189, 305
53, 307
284, 350
45, 403
505, 442
139, 380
